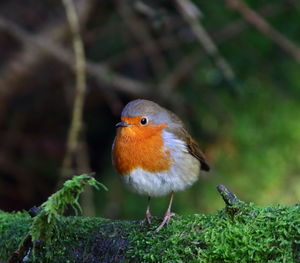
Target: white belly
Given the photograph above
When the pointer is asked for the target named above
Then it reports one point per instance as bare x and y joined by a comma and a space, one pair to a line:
184, 171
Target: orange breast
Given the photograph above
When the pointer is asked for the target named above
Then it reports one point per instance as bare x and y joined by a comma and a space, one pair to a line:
140, 147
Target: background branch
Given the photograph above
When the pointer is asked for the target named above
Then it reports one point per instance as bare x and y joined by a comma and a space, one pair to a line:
80, 89
191, 13
76, 140
261, 25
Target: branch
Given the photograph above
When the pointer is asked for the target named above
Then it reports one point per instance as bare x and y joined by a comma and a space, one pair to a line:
241, 231
80, 90
261, 25
168, 42
29, 56
25, 247
21, 253
191, 14
229, 198
236, 27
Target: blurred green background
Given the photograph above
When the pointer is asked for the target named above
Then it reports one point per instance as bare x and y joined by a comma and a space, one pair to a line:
246, 123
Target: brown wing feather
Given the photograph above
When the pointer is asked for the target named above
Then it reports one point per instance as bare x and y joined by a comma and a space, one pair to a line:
192, 145
195, 150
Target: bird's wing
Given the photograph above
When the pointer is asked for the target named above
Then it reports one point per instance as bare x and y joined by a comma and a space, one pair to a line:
195, 150
192, 145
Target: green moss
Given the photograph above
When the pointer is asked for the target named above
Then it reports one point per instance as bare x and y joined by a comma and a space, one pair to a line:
45, 222
46, 226
246, 233
240, 231
76, 237
13, 228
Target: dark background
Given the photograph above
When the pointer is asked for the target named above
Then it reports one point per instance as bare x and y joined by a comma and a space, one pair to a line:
247, 122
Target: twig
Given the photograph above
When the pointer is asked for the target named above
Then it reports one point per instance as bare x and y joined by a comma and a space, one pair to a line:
24, 248
168, 42
260, 24
236, 27
231, 30
191, 14
80, 90
19, 254
229, 198
61, 30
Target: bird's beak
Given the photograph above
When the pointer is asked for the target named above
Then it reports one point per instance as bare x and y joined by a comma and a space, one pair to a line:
122, 124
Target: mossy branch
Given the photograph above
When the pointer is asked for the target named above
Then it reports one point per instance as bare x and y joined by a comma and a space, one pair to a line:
229, 198
241, 232
46, 218
44, 223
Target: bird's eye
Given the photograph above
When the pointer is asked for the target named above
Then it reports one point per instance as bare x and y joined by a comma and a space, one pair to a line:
144, 121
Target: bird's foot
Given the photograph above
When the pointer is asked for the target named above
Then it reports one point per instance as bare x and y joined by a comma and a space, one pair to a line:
147, 219
165, 221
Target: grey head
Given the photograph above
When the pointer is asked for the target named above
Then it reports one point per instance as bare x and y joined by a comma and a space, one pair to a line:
152, 111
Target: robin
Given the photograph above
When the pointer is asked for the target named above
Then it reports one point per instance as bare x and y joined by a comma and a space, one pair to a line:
154, 153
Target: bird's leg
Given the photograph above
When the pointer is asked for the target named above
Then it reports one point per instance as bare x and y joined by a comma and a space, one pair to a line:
168, 214
148, 213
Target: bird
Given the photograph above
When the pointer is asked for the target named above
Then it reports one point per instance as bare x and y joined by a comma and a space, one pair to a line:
154, 154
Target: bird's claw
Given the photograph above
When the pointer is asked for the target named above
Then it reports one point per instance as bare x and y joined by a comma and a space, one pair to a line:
165, 221
147, 219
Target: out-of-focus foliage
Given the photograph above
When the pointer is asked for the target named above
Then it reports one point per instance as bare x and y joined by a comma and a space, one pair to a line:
249, 129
